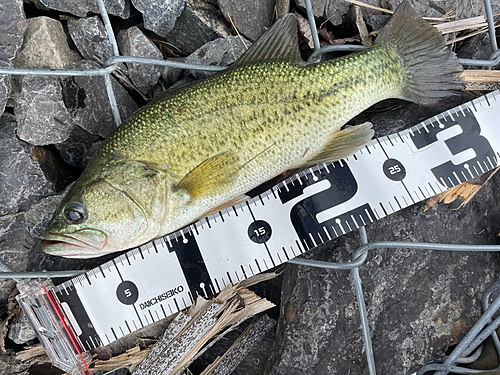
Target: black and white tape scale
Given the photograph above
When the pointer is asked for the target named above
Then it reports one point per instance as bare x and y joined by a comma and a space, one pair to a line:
324, 202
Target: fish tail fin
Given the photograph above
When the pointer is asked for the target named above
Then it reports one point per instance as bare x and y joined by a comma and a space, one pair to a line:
430, 69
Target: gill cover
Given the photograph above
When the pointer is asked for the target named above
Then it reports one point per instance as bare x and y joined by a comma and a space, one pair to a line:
119, 207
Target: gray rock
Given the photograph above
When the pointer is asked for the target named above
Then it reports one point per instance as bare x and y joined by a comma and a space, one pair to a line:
251, 18
198, 24
81, 8
5, 88
20, 330
15, 244
133, 42
86, 98
78, 148
376, 21
419, 302
40, 110
45, 45
12, 366
23, 180
331, 10
255, 361
119, 371
159, 15
222, 52
12, 27
462, 8
89, 36
40, 213
478, 48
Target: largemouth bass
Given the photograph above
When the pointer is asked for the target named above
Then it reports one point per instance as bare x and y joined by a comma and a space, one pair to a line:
201, 147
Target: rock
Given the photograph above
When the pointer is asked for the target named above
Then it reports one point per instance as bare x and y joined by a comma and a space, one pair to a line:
376, 21
89, 36
15, 242
78, 148
45, 45
12, 366
255, 361
119, 371
159, 15
5, 87
86, 98
331, 10
80, 8
40, 110
12, 27
251, 18
40, 213
462, 8
133, 42
20, 330
478, 48
198, 24
419, 302
222, 52
23, 180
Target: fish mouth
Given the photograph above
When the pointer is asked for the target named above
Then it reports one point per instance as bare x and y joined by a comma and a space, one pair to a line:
71, 247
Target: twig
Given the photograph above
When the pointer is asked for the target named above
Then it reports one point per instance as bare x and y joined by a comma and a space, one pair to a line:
236, 30
444, 18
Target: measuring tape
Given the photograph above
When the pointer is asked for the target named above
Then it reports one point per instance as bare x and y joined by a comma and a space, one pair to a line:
164, 276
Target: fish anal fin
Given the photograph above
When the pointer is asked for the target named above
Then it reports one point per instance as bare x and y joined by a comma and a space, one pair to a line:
212, 176
342, 143
278, 43
232, 202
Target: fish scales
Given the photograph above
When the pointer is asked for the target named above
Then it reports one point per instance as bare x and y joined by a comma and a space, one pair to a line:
275, 110
200, 147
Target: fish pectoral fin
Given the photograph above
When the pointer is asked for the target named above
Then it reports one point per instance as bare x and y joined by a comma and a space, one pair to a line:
343, 143
211, 176
278, 43
232, 202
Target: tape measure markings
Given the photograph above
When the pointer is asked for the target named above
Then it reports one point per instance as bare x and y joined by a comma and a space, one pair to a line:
314, 206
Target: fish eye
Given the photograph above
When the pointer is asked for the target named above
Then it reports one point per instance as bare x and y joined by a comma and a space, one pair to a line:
74, 213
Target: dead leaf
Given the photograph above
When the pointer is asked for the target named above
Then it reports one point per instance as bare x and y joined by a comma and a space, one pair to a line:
305, 29
355, 38
4, 324
326, 35
366, 39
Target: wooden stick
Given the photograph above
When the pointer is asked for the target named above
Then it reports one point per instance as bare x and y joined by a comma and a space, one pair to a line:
476, 75
464, 191
460, 25
192, 331
255, 332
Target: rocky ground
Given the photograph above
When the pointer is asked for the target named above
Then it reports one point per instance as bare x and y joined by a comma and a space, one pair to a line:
419, 302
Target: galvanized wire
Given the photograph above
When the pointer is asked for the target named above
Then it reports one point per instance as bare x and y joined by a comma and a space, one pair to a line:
476, 335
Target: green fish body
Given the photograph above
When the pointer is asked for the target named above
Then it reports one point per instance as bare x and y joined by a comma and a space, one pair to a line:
201, 147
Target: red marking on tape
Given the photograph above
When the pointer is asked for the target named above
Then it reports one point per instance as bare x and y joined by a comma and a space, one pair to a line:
66, 328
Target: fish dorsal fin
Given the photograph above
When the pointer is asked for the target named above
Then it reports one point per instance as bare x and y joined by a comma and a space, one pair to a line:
343, 143
212, 176
278, 43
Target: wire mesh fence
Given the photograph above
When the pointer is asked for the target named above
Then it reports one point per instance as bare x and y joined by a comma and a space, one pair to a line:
469, 348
